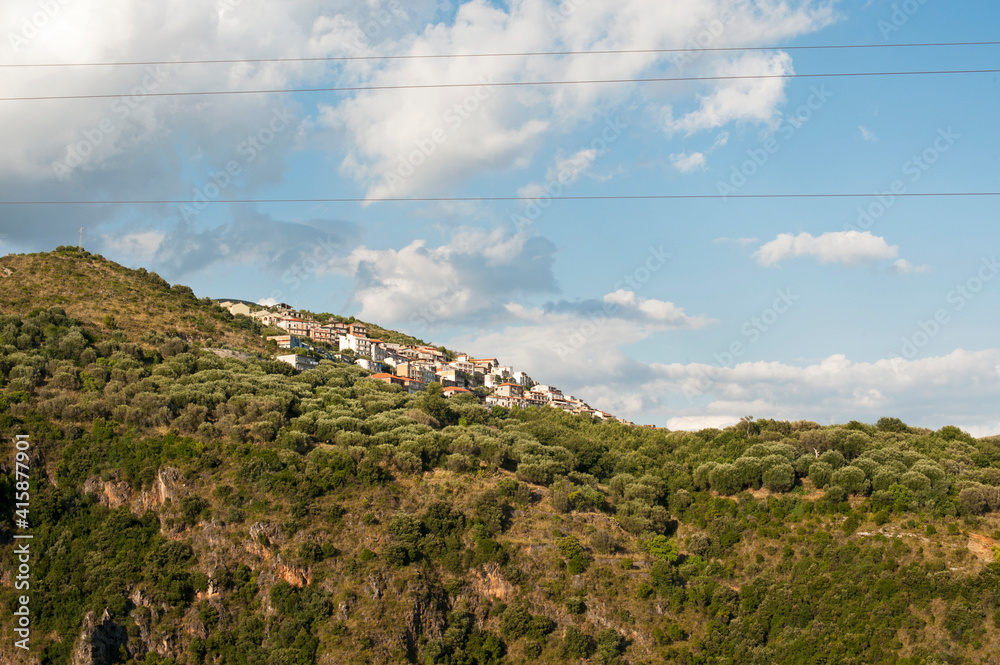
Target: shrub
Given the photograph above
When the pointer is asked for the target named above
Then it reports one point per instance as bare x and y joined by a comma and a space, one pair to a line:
819, 474
577, 644
851, 478
780, 478
725, 479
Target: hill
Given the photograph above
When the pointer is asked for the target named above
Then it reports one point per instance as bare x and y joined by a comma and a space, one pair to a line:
186, 508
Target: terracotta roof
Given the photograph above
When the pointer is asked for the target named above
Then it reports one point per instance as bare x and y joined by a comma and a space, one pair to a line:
516, 385
455, 389
384, 375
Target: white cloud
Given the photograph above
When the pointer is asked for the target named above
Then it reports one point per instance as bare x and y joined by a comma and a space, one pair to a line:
686, 163
696, 423
166, 147
867, 134
580, 349
742, 100
470, 277
565, 172
505, 127
569, 169
137, 247
720, 140
267, 302
956, 388
666, 315
988, 429
904, 267
846, 247
736, 241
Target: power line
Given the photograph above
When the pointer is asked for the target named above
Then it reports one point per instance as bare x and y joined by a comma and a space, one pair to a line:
492, 55
427, 86
458, 199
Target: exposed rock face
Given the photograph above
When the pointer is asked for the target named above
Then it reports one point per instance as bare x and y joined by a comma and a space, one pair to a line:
490, 583
982, 547
427, 615
168, 484
99, 641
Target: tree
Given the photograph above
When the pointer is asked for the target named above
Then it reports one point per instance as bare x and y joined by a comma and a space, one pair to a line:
779, 478
852, 479
663, 547
819, 474
891, 425
725, 479
747, 424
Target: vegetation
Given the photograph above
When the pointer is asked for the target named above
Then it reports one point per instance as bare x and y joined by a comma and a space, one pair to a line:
225, 511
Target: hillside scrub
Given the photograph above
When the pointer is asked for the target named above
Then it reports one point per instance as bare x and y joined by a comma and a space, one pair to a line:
226, 511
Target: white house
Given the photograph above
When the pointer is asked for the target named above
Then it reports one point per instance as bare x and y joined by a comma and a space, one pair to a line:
521, 379
463, 365
287, 341
299, 362
392, 358
362, 346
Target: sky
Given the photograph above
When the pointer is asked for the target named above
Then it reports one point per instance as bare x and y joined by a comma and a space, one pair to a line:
684, 313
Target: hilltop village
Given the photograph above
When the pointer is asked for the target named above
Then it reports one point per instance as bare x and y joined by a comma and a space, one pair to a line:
410, 366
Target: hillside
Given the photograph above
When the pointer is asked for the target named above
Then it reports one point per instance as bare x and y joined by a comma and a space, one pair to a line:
187, 508
106, 296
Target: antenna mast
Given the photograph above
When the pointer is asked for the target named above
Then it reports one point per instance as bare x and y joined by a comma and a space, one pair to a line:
80, 246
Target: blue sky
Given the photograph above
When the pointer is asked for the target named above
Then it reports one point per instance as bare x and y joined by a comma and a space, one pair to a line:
683, 313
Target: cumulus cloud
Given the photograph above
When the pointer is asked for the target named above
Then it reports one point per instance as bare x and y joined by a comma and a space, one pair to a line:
169, 147
583, 356
846, 247
249, 237
401, 143
686, 163
470, 277
134, 147
140, 246
744, 100
932, 391
565, 171
578, 345
904, 267
696, 423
